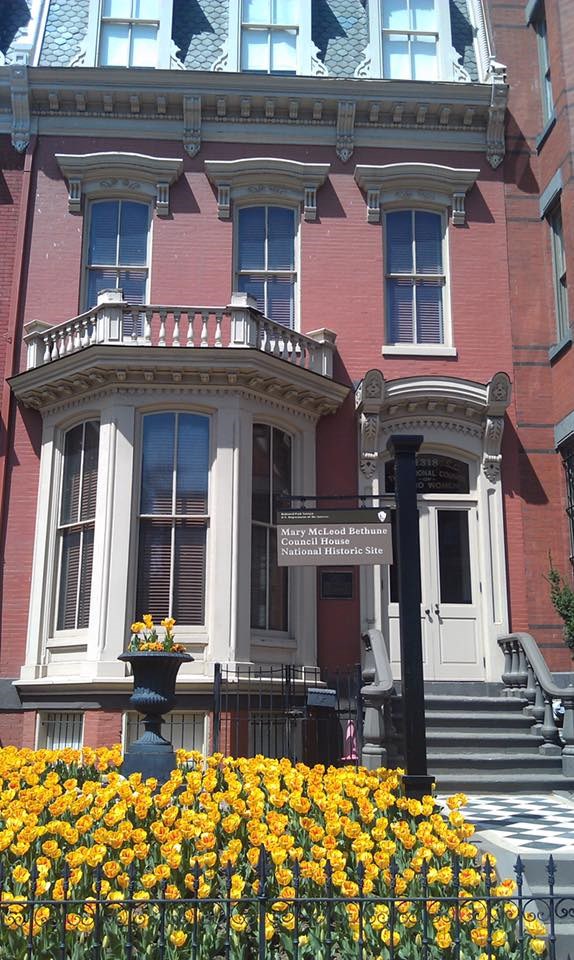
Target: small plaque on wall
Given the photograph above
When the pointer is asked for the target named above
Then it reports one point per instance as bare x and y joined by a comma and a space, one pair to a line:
336, 584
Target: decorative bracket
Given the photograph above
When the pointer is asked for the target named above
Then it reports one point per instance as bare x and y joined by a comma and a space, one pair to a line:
20, 96
268, 178
393, 183
497, 399
95, 174
345, 130
369, 400
495, 145
192, 125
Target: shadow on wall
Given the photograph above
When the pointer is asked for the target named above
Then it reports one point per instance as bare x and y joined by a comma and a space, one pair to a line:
517, 166
528, 486
189, 20
326, 26
14, 14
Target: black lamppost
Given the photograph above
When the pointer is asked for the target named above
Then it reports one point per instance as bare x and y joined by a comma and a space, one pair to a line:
417, 782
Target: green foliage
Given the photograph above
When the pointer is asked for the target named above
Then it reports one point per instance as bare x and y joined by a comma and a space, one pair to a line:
562, 596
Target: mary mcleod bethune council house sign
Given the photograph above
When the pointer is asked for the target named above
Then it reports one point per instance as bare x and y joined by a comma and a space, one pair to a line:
318, 537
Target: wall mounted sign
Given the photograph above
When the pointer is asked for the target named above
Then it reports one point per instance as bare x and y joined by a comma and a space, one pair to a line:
345, 537
435, 474
336, 584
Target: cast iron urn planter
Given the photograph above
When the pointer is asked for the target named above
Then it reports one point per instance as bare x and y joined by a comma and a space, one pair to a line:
155, 673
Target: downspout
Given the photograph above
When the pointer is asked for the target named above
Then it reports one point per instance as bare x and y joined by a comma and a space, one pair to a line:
12, 337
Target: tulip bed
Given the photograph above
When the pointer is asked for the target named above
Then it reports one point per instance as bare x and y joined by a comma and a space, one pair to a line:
233, 856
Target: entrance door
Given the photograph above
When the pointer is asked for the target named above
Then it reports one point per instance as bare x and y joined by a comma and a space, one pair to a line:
452, 645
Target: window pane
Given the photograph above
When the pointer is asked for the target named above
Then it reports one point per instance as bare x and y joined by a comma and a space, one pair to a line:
424, 58
99, 280
429, 312
259, 577
103, 233
133, 284
255, 50
286, 11
69, 571
147, 9
189, 574
134, 223
90, 473
154, 563
157, 463
399, 235
192, 464
278, 592
255, 287
454, 556
400, 310
396, 15
257, 11
283, 51
281, 466
280, 238
396, 59
428, 242
261, 488
120, 9
424, 15
251, 238
86, 564
114, 44
144, 45
69, 511
280, 300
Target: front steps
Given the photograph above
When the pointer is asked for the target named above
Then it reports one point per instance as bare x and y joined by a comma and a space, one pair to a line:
483, 744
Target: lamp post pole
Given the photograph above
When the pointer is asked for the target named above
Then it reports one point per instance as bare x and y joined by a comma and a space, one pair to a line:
417, 782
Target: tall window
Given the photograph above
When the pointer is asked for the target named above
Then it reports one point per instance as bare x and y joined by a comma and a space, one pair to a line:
269, 35
567, 452
129, 33
410, 39
415, 278
266, 260
118, 249
76, 525
559, 272
173, 517
271, 477
539, 24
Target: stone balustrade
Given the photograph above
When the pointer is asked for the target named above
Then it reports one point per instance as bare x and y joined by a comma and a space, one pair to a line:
240, 325
526, 675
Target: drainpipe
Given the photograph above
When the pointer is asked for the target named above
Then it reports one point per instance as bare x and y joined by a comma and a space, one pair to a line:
12, 332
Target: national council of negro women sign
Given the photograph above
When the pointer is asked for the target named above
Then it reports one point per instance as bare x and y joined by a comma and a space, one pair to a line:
345, 537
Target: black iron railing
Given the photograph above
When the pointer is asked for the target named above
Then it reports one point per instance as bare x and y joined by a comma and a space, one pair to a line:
255, 920
281, 710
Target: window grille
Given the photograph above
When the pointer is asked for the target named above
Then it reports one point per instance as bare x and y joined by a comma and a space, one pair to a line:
185, 730
568, 462
60, 731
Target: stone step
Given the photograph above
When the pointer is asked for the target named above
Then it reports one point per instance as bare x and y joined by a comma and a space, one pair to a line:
482, 741
538, 763
481, 719
461, 702
489, 782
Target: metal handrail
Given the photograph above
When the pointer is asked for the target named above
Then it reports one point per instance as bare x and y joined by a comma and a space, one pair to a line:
526, 675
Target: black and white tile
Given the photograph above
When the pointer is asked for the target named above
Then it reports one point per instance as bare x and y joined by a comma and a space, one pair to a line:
540, 822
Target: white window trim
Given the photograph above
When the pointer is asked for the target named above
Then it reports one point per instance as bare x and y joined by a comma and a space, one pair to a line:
117, 174
84, 285
92, 43
308, 63
445, 348
265, 180
448, 67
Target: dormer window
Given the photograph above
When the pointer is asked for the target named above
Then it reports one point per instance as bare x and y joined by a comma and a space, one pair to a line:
129, 33
410, 39
269, 36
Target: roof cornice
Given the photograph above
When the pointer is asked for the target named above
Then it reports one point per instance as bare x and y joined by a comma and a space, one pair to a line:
196, 106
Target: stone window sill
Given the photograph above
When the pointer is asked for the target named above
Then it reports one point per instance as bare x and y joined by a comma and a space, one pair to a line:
557, 349
418, 350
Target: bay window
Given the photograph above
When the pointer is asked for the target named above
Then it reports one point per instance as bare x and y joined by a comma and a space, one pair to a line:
271, 480
266, 260
415, 277
173, 518
76, 525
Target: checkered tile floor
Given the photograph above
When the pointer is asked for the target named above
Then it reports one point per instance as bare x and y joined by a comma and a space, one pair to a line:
542, 822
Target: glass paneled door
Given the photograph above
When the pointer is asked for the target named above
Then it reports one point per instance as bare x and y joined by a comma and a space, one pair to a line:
452, 644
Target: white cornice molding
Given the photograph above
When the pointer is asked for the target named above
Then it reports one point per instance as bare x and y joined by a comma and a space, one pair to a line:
441, 403
102, 174
266, 178
393, 183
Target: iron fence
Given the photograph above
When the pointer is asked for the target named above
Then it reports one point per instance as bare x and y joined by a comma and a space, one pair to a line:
282, 710
254, 920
